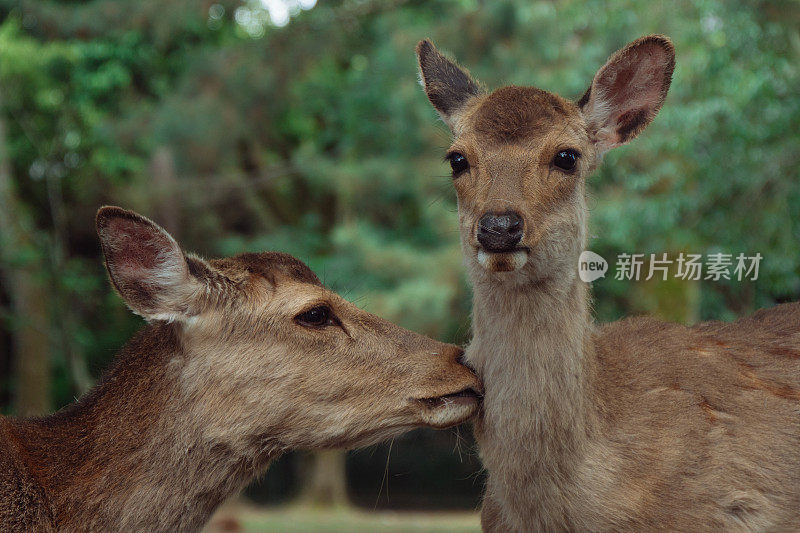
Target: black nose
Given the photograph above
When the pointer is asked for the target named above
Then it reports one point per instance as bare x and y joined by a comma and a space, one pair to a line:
500, 232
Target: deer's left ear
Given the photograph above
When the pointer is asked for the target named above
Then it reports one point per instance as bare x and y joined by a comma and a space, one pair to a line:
148, 268
447, 85
627, 92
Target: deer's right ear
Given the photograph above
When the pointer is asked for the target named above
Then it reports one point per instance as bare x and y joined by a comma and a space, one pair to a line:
627, 92
447, 85
148, 268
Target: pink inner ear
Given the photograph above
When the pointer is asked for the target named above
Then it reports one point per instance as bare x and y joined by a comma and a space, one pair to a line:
627, 92
138, 251
635, 82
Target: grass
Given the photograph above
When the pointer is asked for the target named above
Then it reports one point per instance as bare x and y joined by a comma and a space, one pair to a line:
247, 518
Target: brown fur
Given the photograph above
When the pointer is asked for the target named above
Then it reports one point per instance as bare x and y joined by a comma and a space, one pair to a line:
516, 114
638, 425
448, 86
198, 404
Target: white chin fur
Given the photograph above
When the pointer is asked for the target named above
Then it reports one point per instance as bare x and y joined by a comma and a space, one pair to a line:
449, 414
499, 262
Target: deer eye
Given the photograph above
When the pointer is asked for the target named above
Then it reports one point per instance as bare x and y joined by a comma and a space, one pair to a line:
458, 163
316, 317
566, 160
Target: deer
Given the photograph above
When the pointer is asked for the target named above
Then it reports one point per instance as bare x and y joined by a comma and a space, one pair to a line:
242, 359
636, 425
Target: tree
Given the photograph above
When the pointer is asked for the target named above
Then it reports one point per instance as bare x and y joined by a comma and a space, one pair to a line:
23, 277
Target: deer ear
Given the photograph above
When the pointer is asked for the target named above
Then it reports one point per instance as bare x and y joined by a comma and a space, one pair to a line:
627, 92
148, 268
447, 85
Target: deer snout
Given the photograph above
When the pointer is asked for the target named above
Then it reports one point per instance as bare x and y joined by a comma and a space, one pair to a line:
462, 360
456, 355
455, 391
500, 232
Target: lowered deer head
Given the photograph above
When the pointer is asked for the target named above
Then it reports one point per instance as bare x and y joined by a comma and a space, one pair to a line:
243, 358
520, 155
272, 338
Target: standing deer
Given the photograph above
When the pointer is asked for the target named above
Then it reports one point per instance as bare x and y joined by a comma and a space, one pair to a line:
638, 425
243, 359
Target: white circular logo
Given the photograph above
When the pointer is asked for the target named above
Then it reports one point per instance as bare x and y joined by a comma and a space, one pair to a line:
591, 266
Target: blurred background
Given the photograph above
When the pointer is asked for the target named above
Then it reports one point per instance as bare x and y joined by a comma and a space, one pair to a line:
300, 126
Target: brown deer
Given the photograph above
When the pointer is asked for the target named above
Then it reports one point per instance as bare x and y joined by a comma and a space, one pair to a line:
243, 358
638, 425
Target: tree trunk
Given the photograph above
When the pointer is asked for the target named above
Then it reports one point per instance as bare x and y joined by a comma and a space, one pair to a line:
166, 207
28, 294
67, 306
31, 346
324, 482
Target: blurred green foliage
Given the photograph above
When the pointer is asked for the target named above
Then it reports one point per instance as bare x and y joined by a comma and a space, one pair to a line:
316, 139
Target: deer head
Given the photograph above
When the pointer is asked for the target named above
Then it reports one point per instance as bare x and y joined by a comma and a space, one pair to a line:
520, 156
268, 352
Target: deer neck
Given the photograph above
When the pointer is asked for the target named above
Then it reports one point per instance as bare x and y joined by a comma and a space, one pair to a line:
133, 453
532, 348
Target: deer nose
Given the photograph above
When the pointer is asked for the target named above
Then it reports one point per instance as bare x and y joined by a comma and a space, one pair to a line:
462, 360
500, 232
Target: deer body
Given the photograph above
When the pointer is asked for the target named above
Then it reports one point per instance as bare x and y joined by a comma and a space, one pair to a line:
148, 463
244, 358
637, 425
633, 426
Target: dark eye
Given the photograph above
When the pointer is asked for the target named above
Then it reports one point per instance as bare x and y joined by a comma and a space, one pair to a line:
458, 163
315, 317
566, 160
